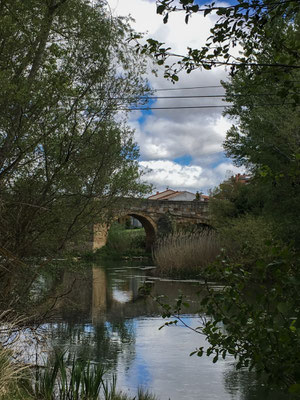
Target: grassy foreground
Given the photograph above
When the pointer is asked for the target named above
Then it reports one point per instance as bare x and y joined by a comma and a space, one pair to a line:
56, 381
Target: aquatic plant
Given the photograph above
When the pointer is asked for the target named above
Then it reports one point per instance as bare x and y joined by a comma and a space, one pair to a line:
81, 381
184, 254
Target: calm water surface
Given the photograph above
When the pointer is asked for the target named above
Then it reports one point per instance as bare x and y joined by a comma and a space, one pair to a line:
101, 316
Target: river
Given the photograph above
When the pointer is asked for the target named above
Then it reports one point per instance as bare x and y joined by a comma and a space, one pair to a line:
100, 315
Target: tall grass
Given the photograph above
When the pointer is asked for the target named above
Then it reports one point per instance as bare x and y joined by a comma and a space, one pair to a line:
185, 254
12, 377
81, 381
13, 374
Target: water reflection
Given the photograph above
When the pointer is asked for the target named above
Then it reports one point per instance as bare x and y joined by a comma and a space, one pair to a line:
100, 315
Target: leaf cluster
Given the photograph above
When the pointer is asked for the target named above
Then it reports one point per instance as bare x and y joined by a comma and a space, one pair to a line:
244, 24
65, 156
260, 313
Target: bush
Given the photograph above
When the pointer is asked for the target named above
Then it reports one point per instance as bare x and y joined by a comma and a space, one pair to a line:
121, 240
246, 238
185, 254
259, 308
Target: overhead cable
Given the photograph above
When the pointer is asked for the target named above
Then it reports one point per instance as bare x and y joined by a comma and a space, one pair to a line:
204, 106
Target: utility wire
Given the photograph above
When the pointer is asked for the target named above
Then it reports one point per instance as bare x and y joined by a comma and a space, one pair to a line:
204, 87
198, 96
169, 108
193, 107
189, 88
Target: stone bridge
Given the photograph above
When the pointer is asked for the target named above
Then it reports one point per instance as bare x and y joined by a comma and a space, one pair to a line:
156, 216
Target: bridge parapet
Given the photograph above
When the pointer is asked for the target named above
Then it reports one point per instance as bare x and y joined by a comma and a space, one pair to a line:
157, 208
151, 212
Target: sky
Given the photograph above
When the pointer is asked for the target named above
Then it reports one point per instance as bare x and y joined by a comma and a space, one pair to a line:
180, 149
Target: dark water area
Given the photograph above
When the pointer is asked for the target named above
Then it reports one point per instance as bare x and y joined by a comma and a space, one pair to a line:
100, 315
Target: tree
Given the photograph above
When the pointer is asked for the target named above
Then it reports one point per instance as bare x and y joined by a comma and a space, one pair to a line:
245, 24
66, 155
265, 137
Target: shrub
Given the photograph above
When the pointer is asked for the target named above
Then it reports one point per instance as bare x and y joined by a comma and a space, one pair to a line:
259, 308
122, 240
246, 238
184, 254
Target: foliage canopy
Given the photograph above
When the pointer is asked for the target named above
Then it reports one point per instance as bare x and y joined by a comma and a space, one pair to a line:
65, 152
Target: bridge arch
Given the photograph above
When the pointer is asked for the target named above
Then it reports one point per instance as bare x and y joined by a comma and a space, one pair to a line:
148, 224
100, 231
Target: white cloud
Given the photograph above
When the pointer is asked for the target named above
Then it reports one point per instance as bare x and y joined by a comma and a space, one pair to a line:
165, 135
164, 173
198, 136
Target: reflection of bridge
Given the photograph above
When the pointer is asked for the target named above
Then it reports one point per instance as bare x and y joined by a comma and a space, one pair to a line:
156, 216
93, 296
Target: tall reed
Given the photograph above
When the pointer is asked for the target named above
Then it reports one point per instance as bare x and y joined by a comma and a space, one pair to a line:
13, 377
185, 254
81, 381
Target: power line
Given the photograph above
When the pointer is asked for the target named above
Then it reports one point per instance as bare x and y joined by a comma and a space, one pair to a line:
198, 107
170, 108
206, 87
182, 97
199, 96
189, 88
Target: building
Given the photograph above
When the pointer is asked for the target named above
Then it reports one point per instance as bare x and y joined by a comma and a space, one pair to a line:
241, 178
177, 195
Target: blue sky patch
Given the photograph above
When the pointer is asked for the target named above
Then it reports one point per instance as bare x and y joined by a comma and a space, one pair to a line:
146, 113
184, 160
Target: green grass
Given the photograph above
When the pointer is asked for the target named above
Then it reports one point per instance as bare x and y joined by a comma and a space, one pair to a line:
121, 242
58, 381
82, 381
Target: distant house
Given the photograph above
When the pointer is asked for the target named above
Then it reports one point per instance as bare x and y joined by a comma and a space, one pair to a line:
241, 178
176, 195
203, 197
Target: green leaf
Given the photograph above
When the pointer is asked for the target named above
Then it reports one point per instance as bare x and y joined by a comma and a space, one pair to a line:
160, 9
283, 307
295, 388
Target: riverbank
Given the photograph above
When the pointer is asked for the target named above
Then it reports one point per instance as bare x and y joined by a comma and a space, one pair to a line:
58, 380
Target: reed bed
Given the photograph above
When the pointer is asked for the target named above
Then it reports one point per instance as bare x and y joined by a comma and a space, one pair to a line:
185, 254
80, 381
